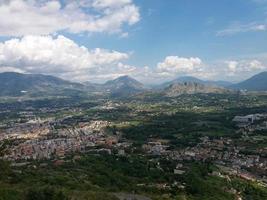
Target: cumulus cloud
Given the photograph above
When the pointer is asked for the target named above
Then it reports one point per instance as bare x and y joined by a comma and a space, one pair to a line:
35, 17
56, 55
234, 67
61, 56
175, 64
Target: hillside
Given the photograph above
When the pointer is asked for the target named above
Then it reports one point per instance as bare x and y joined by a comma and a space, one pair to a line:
195, 80
16, 84
255, 83
192, 88
124, 85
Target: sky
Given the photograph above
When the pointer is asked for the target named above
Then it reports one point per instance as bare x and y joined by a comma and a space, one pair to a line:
151, 40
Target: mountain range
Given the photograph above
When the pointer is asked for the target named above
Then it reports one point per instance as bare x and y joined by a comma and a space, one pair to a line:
17, 84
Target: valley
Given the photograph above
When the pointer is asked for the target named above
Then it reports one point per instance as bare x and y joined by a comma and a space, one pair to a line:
147, 143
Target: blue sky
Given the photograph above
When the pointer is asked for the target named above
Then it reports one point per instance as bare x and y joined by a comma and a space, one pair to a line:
151, 40
188, 28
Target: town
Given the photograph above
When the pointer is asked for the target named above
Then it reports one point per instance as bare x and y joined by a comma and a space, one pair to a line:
40, 139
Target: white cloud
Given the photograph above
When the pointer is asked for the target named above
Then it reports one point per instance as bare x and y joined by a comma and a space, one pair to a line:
256, 65
233, 70
242, 28
232, 66
125, 67
244, 66
110, 3
175, 64
60, 56
10, 69
35, 17
56, 56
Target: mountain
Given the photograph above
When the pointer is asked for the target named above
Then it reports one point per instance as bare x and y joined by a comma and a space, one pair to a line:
16, 84
180, 80
257, 82
124, 85
184, 79
192, 88
94, 87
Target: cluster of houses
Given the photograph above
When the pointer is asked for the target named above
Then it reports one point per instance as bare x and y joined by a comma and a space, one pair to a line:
40, 140
221, 151
28, 130
57, 147
33, 129
155, 148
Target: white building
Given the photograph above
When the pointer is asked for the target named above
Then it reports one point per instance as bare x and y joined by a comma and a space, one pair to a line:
244, 119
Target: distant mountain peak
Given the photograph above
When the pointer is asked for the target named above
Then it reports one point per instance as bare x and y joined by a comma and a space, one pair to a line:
124, 85
183, 79
190, 87
257, 82
123, 78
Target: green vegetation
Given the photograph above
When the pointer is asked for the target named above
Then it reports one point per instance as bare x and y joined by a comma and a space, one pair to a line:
100, 177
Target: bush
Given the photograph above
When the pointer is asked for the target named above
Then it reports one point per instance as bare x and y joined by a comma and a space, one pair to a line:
46, 193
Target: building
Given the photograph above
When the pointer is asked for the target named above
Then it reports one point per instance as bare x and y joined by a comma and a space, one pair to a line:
244, 119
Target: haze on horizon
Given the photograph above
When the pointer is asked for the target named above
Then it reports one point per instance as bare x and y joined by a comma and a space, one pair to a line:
152, 41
